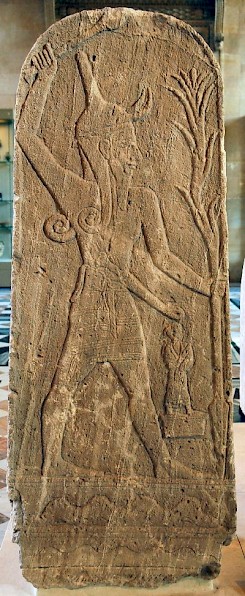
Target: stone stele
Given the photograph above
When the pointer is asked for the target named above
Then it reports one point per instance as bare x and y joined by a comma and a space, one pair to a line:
121, 465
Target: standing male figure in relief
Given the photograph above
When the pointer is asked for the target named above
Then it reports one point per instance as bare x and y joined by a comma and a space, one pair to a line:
107, 215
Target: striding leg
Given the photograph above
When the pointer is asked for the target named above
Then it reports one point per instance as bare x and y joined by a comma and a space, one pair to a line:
134, 378
72, 370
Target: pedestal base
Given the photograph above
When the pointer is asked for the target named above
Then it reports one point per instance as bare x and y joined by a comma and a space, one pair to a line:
12, 581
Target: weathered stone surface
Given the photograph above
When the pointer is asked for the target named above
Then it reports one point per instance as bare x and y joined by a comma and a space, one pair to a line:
120, 439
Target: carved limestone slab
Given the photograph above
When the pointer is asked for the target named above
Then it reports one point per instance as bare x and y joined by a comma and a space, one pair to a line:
121, 466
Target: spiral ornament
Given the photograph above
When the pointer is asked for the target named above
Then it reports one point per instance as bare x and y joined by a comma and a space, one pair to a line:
58, 228
89, 219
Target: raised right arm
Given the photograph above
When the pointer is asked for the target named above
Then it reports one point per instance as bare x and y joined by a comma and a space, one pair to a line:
50, 172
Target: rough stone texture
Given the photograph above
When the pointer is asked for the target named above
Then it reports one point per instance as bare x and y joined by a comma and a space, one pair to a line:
121, 467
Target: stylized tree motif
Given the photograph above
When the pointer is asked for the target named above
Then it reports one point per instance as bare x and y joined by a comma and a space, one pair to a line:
193, 92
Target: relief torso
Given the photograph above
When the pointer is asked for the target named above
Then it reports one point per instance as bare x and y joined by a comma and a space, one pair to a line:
116, 240
103, 302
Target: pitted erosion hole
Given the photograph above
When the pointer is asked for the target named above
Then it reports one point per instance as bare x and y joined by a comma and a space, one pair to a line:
227, 540
211, 570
